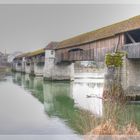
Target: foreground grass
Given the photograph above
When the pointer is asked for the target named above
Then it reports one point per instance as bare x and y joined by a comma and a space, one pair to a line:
118, 118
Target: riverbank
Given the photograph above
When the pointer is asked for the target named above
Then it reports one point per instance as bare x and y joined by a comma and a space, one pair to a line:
117, 123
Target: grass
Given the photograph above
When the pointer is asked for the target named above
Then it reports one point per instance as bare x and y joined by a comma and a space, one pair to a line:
118, 118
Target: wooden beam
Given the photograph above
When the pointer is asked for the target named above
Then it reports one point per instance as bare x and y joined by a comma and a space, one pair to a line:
131, 38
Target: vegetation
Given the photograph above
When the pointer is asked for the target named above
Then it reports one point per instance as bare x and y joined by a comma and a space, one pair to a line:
114, 59
116, 121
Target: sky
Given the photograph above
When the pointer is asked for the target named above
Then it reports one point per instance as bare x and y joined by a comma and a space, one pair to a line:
27, 27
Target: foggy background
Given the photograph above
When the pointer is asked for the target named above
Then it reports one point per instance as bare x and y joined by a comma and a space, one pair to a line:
29, 27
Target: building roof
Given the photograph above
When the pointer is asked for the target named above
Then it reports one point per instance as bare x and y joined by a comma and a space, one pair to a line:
37, 52
51, 46
23, 55
31, 54
105, 32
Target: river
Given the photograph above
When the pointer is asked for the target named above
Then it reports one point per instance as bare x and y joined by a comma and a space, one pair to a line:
29, 105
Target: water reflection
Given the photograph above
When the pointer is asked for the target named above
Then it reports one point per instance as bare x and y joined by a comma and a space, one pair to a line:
87, 95
63, 99
65, 105
78, 92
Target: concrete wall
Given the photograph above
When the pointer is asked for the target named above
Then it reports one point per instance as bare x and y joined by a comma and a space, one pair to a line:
127, 76
133, 72
53, 71
131, 76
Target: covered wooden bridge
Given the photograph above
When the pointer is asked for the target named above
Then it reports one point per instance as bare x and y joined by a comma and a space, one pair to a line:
31, 62
95, 44
55, 62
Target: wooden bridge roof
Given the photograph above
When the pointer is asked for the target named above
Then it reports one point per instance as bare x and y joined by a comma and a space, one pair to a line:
31, 54
23, 55
37, 52
105, 32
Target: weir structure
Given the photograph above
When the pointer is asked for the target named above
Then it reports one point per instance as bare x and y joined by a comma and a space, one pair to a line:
56, 60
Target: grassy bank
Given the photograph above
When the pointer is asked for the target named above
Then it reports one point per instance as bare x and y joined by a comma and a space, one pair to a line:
118, 117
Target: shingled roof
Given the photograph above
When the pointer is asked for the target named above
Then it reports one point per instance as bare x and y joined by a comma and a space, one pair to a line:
105, 32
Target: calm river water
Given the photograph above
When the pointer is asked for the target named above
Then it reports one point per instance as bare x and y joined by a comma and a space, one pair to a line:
28, 105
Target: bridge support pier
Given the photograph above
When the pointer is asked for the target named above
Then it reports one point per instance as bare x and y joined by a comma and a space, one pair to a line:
53, 71
23, 65
18, 67
127, 77
38, 69
131, 76
27, 68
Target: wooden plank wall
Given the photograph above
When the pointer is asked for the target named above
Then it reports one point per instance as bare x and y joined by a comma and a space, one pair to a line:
133, 50
91, 52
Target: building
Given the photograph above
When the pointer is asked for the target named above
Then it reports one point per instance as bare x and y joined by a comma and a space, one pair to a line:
3, 59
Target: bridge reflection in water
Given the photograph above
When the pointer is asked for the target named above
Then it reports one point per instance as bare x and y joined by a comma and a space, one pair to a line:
65, 99
82, 92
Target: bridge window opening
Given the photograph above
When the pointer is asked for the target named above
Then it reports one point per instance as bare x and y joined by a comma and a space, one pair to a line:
132, 36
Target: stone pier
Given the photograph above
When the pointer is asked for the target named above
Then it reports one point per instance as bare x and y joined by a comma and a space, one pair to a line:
57, 71
130, 76
126, 78
38, 69
27, 67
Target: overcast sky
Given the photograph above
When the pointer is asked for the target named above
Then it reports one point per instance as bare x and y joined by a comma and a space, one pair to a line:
29, 27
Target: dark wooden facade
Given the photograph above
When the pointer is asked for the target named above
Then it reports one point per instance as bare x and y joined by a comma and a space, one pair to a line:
92, 51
